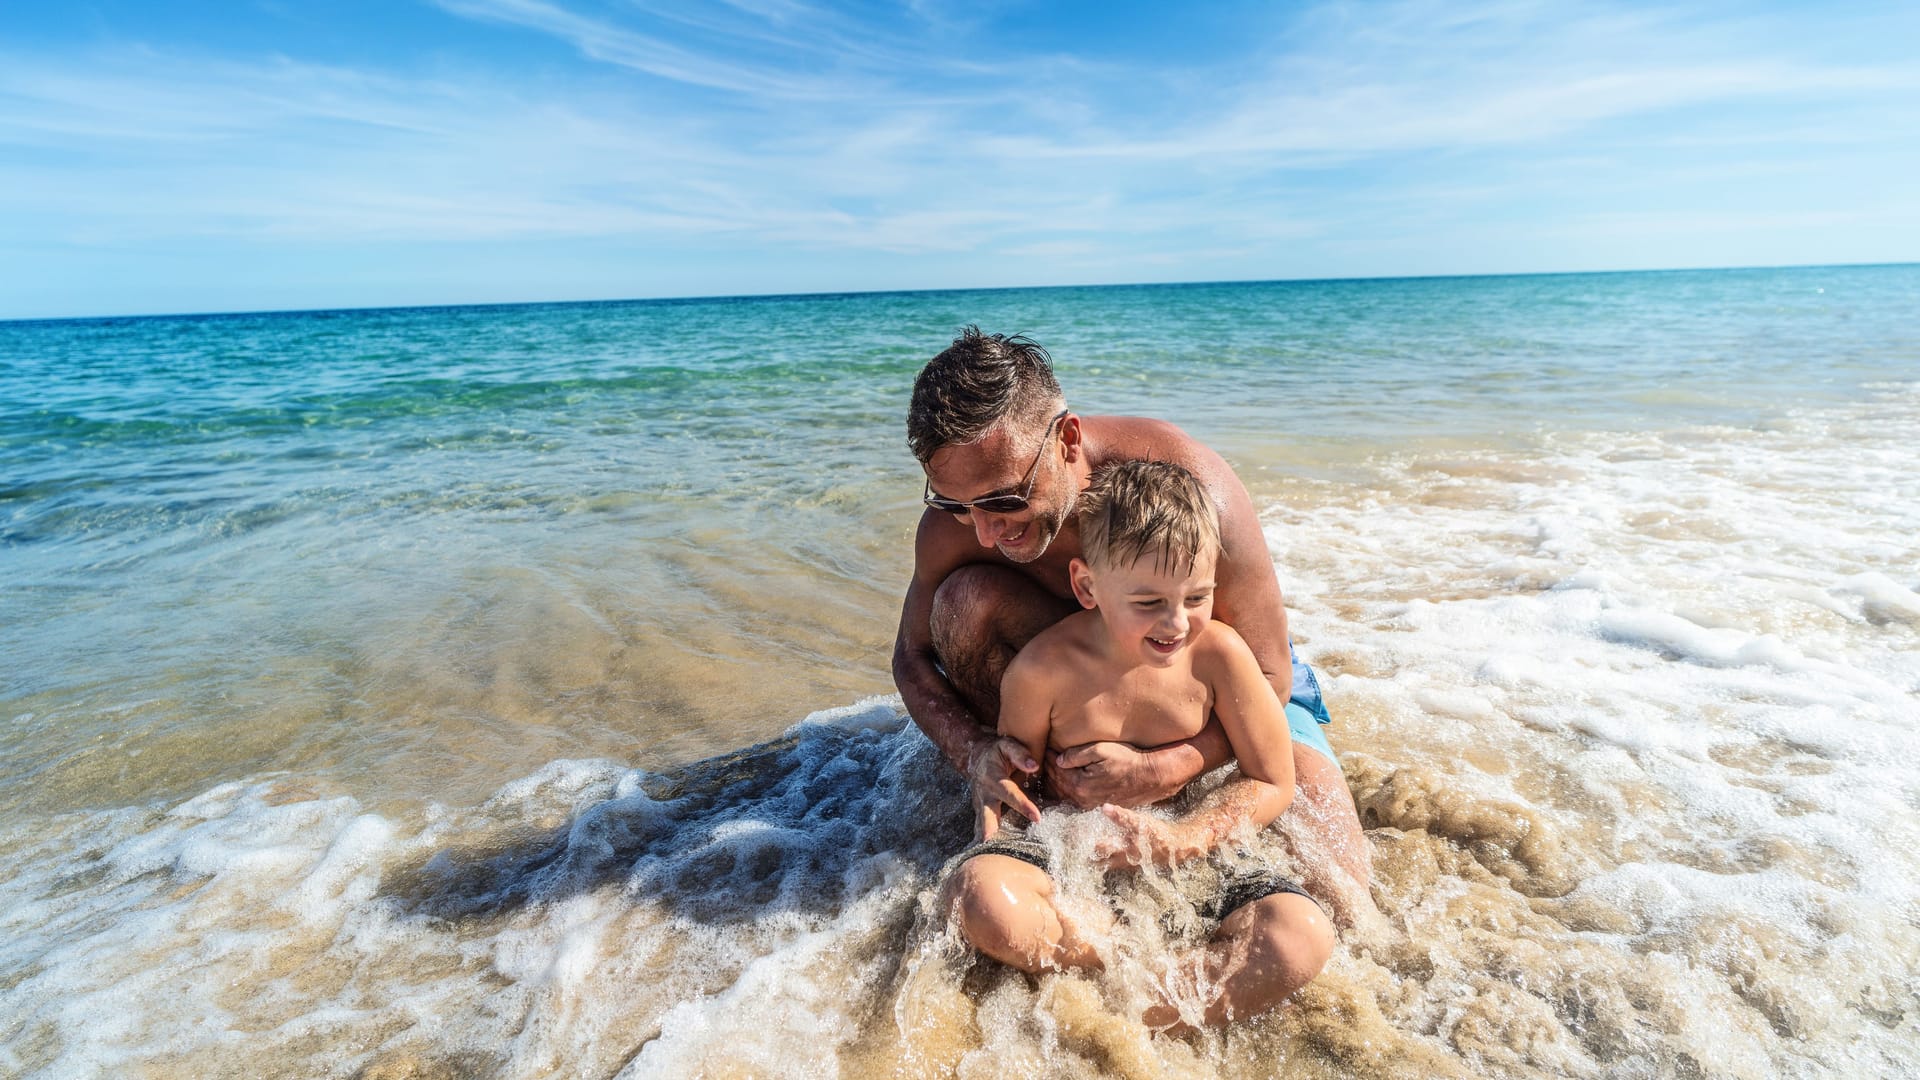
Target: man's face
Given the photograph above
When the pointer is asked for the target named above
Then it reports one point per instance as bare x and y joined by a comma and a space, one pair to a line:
1007, 461
1152, 609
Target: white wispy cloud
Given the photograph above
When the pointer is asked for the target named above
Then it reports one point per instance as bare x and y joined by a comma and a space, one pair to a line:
653, 55
803, 128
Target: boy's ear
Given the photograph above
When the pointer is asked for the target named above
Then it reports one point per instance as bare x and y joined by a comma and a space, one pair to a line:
1081, 575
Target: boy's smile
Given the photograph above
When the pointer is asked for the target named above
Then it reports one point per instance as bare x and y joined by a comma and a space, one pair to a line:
1151, 610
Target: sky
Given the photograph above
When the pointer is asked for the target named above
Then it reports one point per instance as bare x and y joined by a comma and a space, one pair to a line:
185, 157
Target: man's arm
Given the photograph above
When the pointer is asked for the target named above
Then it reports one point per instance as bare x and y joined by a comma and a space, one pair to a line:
1247, 593
992, 766
929, 697
1093, 774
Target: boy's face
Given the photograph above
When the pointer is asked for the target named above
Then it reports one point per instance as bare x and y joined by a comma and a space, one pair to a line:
1152, 610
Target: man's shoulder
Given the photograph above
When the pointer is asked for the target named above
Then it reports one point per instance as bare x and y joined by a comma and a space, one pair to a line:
1131, 437
1134, 438
942, 544
938, 532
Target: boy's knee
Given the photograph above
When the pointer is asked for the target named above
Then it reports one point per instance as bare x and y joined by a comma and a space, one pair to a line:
1291, 936
995, 908
1278, 944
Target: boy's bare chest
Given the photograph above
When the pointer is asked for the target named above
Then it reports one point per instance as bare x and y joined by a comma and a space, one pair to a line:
1146, 707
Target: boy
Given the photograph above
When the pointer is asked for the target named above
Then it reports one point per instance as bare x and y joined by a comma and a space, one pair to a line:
1145, 664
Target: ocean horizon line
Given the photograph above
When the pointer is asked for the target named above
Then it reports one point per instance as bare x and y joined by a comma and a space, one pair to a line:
837, 294
504, 690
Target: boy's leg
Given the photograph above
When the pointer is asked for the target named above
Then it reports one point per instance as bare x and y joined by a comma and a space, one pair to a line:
1261, 954
1004, 908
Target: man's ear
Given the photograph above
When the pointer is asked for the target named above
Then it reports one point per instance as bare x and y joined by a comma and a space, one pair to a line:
1081, 575
1070, 437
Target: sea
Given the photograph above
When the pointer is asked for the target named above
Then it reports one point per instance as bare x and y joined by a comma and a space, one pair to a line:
504, 691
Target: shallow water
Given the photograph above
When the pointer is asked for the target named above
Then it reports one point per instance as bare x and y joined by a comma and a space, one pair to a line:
371, 681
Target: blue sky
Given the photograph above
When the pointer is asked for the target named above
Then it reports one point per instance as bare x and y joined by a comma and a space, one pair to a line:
164, 157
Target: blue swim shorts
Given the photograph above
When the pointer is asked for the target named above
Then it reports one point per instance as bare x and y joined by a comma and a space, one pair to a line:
1305, 729
1307, 711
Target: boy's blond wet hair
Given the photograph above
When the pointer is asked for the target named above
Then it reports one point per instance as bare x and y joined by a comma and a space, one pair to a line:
1134, 508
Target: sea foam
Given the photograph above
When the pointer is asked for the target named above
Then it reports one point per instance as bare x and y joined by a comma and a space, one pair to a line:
1629, 718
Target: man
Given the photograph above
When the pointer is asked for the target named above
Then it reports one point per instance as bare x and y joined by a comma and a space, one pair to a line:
1005, 460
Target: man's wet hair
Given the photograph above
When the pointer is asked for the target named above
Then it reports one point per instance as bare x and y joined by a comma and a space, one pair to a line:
980, 380
1136, 508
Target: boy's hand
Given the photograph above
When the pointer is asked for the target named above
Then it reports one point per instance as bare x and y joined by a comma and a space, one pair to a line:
1107, 772
993, 772
1145, 839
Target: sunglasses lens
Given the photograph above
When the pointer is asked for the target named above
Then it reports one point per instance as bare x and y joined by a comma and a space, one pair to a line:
998, 504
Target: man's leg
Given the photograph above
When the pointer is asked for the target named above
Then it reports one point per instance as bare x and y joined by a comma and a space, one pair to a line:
1262, 953
1324, 805
1324, 798
1004, 908
982, 616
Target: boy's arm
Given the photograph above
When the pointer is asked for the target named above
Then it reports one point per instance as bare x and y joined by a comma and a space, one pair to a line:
1255, 720
1256, 726
1026, 716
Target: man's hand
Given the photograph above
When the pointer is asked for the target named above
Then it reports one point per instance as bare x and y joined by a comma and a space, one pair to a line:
994, 773
1145, 839
1093, 774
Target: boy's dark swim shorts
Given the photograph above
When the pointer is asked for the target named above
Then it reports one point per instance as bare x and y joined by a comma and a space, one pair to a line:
1238, 886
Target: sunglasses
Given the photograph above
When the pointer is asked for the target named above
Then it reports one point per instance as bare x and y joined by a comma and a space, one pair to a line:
997, 504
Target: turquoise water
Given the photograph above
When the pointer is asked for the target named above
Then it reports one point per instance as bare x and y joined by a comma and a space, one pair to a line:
544, 403
125, 433
214, 490
394, 565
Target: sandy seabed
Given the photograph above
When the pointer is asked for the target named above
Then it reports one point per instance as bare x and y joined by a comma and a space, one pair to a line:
1629, 719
